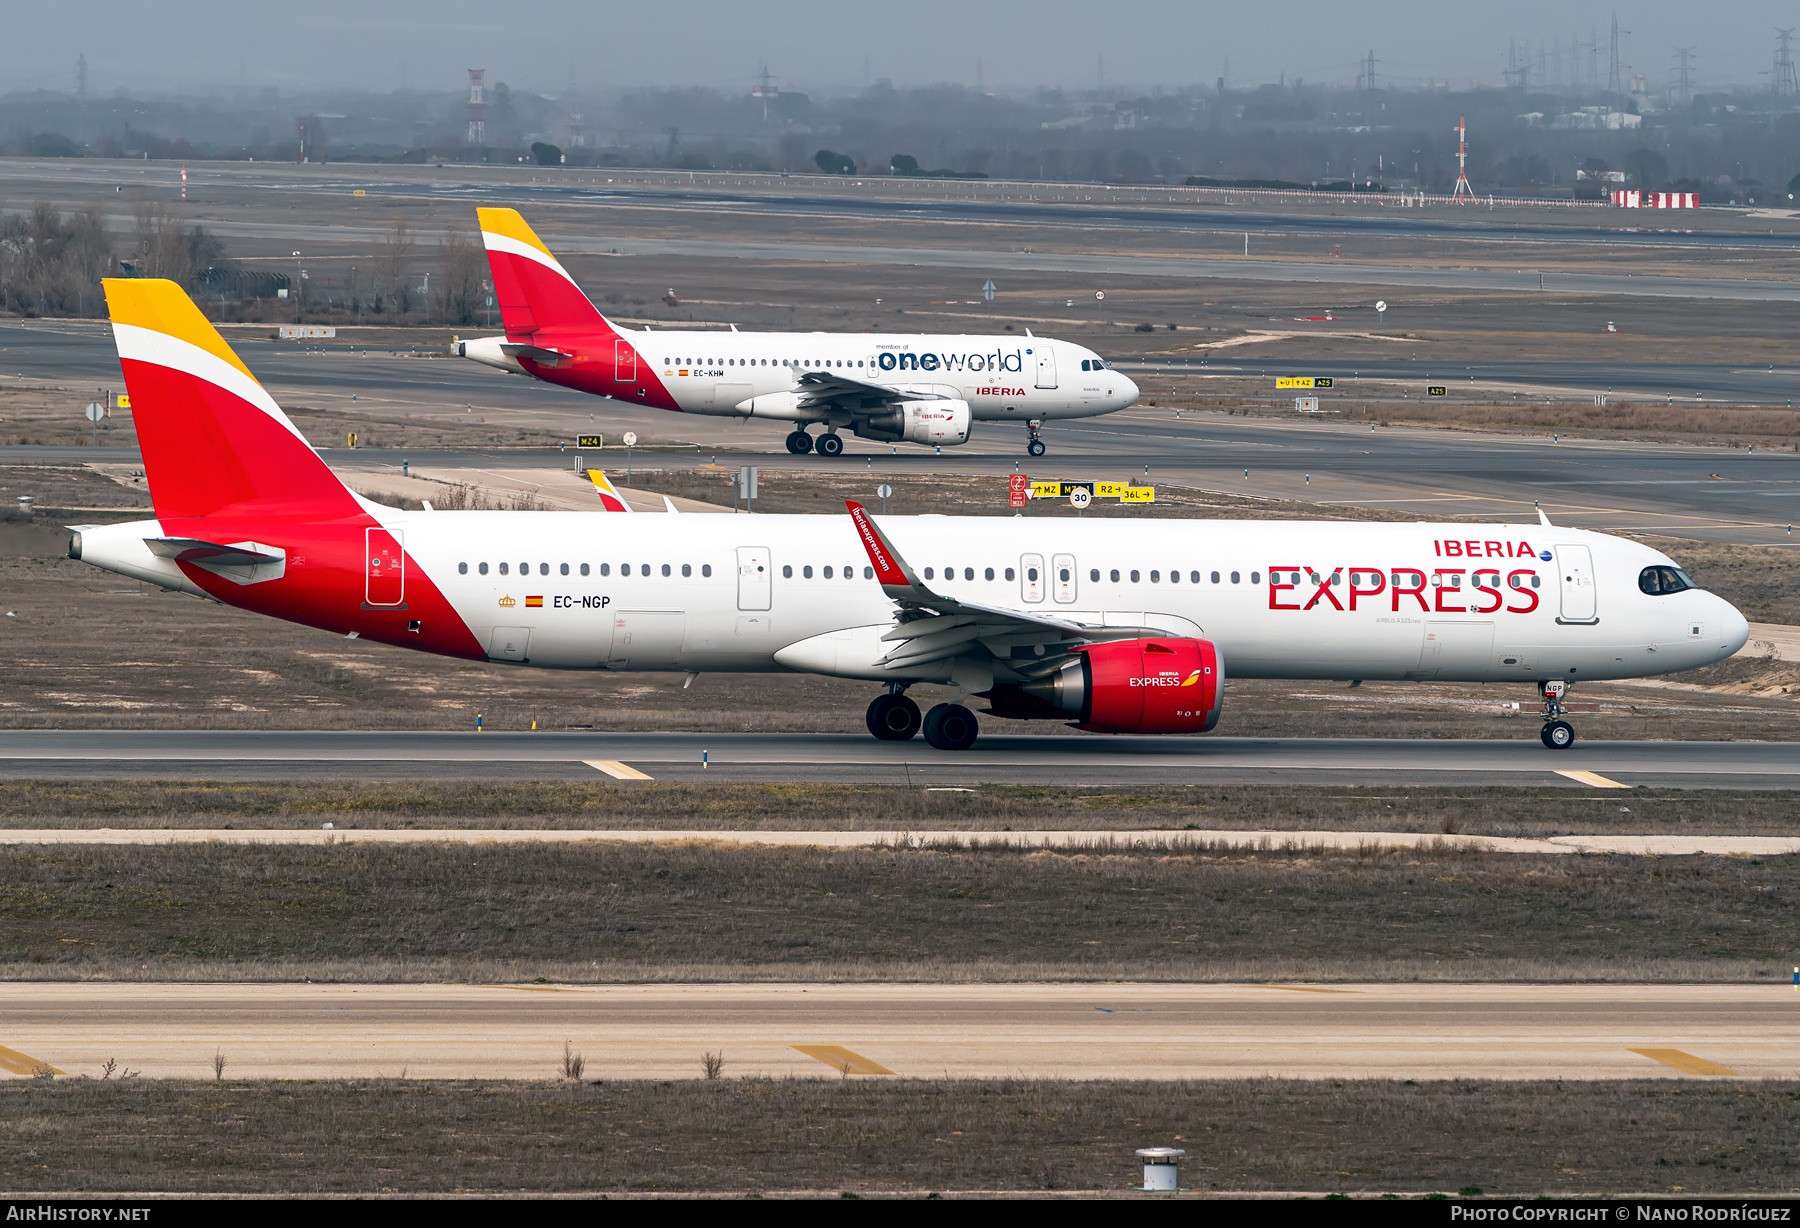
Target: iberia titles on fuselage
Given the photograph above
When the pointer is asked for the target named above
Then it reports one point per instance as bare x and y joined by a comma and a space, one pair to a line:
888, 387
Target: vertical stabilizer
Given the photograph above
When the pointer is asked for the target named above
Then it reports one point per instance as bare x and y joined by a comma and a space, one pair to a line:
213, 440
610, 498
533, 289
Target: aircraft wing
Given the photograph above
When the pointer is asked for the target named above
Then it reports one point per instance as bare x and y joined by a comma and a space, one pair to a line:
932, 626
825, 387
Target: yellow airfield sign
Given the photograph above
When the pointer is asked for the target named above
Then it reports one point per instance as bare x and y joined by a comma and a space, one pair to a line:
1138, 494
1293, 381
1110, 490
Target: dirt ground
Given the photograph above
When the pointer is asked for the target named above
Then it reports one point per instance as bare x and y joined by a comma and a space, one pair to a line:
903, 1137
91, 650
618, 912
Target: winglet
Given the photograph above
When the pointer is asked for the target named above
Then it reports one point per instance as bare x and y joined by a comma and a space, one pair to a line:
1542, 518
610, 498
891, 571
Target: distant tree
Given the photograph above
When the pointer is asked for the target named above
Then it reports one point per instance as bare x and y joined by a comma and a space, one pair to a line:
458, 290
1647, 168
834, 163
1523, 170
904, 164
1793, 187
546, 154
50, 145
1595, 167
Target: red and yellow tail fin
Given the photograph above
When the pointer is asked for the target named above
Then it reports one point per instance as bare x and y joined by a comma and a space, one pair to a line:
535, 292
211, 437
610, 498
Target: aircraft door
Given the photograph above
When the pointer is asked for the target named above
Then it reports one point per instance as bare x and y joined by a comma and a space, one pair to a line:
1575, 568
510, 644
1062, 577
754, 578
1031, 577
1046, 367
624, 362
384, 569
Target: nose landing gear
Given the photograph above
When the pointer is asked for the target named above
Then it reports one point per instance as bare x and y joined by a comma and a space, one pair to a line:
799, 443
1035, 446
1557, 733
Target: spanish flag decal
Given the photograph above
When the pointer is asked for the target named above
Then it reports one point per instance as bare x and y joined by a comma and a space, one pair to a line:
534, 603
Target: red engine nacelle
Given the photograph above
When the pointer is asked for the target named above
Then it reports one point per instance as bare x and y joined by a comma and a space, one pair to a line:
1127, 686
1153, 686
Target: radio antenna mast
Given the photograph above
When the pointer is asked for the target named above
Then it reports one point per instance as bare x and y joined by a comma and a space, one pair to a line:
1462, 188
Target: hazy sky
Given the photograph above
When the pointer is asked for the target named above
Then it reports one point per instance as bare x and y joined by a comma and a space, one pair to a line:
819, 44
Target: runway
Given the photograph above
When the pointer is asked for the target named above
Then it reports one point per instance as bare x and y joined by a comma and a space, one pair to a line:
1100, 1031
991, 202
851, 759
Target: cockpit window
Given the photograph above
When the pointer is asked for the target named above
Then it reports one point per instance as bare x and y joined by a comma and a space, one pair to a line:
1661, 581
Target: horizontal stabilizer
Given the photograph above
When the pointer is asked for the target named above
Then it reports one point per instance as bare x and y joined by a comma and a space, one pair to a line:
536, 353
192, 550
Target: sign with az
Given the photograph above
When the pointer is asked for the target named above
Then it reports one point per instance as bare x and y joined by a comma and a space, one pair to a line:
1437, 390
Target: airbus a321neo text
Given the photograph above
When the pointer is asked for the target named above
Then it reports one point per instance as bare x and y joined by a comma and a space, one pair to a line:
888, 387
1112, 626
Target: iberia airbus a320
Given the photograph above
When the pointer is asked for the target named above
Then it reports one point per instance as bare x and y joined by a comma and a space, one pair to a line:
1112, 626
889, 387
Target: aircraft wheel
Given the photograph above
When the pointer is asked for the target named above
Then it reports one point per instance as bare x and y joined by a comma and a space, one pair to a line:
1558, 735
799, 443
830, 445
1035, 447
893, 718
951, 727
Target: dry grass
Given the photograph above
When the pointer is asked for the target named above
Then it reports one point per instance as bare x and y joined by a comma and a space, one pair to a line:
1470, 810
611, 912
900, 1136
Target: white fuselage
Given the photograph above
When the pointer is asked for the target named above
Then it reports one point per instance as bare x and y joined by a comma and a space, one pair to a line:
1280, 599
1004, 377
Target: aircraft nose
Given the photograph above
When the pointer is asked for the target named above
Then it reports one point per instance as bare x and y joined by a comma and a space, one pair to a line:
1734, 628
1129, 393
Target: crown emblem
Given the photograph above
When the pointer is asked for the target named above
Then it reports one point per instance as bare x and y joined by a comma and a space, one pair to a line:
507, 603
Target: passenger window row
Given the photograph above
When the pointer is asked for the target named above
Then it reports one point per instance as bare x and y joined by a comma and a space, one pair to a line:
543, 569
806, 572
809, 363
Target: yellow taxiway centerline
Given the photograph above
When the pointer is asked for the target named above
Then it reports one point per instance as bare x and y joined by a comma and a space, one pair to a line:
839, 1058
1687, 1063
617, 770
14, 1062
1592, 779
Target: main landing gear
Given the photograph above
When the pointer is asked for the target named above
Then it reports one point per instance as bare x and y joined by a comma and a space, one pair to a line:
1558, 734
800, 443
831, 444
951, 727
895, 718
1036, 445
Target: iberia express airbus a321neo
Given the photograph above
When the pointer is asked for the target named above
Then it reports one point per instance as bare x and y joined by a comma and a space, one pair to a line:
1113, 626
890, 387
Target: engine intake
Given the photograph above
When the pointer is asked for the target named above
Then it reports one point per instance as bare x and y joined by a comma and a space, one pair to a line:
1127, 686
945, 423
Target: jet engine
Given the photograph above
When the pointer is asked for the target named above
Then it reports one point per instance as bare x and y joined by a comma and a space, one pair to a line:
945, 423
1126, 686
